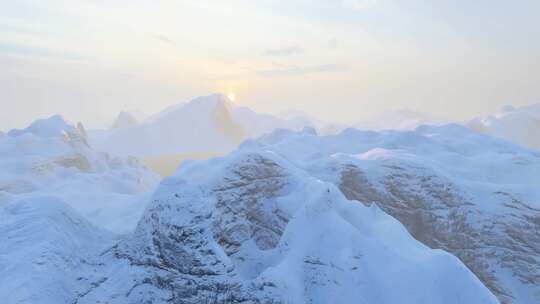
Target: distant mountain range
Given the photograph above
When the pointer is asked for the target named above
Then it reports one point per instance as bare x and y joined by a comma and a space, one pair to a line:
213, 125
520, 125
206, 126
209, 124
399, 120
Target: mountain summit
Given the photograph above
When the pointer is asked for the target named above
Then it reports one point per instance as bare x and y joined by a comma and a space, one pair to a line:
208, 124
204, 124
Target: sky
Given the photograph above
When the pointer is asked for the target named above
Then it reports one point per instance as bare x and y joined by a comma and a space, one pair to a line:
339, 60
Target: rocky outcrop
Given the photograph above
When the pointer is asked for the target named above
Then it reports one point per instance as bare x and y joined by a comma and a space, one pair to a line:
436, 214
240, 200
441, 215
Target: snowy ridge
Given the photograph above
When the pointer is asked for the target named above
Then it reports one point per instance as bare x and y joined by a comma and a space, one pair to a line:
249, 228
52, 158
54, 126
52, 186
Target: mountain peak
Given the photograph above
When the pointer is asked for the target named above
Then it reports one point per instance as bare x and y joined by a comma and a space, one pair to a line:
211, 101
507, 108
124, 120
54, 126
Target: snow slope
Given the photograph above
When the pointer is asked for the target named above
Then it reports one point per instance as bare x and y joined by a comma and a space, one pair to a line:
45, 248
472, 195
520, 125
52, 157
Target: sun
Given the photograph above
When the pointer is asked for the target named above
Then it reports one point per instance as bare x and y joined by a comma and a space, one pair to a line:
231, 96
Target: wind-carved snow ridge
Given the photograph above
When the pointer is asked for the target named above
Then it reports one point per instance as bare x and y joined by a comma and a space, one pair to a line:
254, 228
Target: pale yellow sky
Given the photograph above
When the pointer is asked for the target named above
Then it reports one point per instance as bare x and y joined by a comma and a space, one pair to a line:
338, 60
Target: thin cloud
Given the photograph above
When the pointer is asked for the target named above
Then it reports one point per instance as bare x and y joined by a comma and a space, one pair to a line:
10, 28
164, 39
332, 43
357, 4
284, 51
39, 52
298, 70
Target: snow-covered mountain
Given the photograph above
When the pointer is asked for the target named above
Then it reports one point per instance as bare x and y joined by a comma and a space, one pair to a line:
207, 124
52, 158
60, 202
202, 125
520, 125
127, 119
472, 195
254, 228
435, 215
